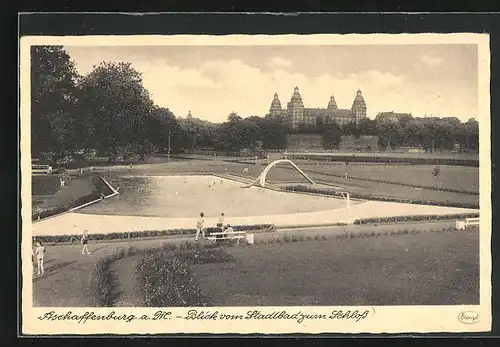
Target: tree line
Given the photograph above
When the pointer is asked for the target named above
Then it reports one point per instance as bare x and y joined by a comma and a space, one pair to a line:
109, 111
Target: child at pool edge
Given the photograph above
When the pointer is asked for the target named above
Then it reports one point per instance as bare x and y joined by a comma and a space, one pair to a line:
200, 226
229, 229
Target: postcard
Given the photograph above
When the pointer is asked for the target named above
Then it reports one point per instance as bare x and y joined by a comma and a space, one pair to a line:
255, 184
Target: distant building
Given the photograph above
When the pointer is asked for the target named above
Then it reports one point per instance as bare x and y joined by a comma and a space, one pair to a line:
189, 116
391, 116
296, 116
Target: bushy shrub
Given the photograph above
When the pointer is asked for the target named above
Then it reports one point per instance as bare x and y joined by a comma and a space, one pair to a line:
398, 219
165, 281
205, 256
102, 281
169, 246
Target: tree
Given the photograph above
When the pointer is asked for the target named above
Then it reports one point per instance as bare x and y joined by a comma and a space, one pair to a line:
367, 127
471, 131
118, 110
162, 126
53, 101
331, 136
389, 134
273, 133
350, 129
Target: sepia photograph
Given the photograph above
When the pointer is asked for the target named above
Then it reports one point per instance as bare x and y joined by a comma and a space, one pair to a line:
232, 179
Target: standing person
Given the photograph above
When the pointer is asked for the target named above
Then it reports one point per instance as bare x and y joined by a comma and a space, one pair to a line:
32, 257
85, 241
200, 226
220, 223
39, 252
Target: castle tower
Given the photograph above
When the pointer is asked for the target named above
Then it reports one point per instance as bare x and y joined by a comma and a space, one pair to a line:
275, 109
295, 109
332, 104
359, 107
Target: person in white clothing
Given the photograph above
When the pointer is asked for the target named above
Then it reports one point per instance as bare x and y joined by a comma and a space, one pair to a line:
39, 252
85, 242
200, 226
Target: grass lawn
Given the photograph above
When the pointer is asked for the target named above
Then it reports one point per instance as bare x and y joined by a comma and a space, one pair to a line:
44, 184
283, 173
416, 269
421, 269
451, 177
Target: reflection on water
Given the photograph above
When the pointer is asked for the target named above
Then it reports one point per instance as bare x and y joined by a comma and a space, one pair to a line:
187, 196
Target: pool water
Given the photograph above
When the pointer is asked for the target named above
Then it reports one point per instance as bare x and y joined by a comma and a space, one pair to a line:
187, 196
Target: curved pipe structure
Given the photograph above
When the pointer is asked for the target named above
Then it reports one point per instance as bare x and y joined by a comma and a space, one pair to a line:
261, 180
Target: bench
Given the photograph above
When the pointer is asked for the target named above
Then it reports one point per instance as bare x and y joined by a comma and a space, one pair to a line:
463, 224
232, 235
39, 168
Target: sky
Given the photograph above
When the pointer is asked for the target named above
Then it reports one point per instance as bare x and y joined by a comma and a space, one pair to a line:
213, 81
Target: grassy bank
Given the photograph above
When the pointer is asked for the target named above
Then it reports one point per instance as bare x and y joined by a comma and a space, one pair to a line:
81, 189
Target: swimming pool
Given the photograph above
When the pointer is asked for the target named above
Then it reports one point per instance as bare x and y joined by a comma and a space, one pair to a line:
187, 196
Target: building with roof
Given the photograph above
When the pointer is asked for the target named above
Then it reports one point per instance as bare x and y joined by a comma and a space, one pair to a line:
391, 116
296, 116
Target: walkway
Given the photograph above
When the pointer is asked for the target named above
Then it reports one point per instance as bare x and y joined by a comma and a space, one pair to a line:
75, 223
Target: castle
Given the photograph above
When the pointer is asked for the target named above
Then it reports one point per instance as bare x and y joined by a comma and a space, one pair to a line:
296, 116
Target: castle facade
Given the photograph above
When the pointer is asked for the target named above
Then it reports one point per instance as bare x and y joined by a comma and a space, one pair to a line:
296, 116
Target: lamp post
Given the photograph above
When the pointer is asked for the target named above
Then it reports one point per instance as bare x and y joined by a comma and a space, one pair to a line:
168, 155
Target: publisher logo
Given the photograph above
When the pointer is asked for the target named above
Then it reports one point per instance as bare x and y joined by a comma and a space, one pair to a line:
468, 317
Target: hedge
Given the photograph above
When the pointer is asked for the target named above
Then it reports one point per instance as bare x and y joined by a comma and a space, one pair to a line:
142, 234
250, 162
399, 219
390, 160
304, 189
102, 282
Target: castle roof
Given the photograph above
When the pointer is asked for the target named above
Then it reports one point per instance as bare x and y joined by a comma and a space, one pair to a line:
296, 100
275, 104
332, 104
359, 101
